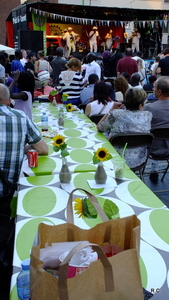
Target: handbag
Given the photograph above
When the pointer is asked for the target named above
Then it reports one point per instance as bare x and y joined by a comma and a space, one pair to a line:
5, 200
113, 278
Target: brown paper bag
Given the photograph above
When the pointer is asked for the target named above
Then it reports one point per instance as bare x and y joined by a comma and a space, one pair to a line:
113, 278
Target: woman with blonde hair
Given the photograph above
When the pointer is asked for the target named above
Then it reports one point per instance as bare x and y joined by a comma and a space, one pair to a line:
71, 81
130, 120
120, 88
141, 71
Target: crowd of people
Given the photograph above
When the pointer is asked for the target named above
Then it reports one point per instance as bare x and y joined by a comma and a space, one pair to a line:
112, 87
115, 87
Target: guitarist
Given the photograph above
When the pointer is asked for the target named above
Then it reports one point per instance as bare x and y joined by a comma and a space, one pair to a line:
93, 36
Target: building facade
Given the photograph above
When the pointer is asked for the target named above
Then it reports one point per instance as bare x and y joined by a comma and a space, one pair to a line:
6, 7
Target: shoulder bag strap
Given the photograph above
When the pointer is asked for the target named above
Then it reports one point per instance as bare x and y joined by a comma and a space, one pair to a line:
101, 109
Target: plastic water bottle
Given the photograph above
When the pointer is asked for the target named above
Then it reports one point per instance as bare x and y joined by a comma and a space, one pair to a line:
44, 122
23, 281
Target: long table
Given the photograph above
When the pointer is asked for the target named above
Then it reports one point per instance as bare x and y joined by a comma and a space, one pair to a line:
42, 198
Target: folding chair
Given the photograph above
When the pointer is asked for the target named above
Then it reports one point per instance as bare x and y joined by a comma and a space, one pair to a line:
161, 134
82, 106
135, 140
96, 118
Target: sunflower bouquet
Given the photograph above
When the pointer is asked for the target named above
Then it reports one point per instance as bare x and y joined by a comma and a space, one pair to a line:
64, 97
101, 155
69, 107
60, 145
85, 209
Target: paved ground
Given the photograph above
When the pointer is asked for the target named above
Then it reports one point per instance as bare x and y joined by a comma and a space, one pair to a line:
160, 188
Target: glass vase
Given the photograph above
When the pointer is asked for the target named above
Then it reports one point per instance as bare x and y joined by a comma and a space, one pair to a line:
60, 120
64, 175
100, 174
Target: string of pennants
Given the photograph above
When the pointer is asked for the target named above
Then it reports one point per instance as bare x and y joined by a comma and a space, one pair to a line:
95, 22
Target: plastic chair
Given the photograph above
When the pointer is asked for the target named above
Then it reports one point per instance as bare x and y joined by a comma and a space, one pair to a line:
135, 140
161, 134
96, 118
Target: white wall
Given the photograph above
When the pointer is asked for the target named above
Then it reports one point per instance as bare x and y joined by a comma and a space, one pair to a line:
145, 4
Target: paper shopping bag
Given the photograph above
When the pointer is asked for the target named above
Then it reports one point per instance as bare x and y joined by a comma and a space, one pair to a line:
93, 283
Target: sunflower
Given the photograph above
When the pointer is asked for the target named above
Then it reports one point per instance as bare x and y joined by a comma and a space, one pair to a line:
58, 140
102, 154
69, 107
78, 207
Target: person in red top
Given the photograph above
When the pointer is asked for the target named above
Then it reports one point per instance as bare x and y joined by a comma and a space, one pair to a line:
127, 64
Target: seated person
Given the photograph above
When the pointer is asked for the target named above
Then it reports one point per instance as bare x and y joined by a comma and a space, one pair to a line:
23, 99
87, 92
92, 66
120, 86
160, 112
102, 102
71, 81
135, 81
149, 86
151, 98
17, 136
129, 120
111, 90
127, 77
154, 66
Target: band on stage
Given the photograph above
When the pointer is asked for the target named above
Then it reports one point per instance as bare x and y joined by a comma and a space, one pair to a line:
148, 42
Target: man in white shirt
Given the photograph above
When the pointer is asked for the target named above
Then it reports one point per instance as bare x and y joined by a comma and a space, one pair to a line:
70, 38
23, 60
135, 39
154, 66
93, 35
135, 81
92, 66
139, 56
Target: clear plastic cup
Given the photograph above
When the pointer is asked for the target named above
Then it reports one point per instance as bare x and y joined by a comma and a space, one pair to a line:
119, 166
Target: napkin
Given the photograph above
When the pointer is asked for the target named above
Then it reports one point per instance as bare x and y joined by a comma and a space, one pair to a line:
81, 258
50, 254
110, 183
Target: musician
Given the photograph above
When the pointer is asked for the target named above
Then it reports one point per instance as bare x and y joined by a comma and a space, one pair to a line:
93, 37
63, 42
135, 40
70, 38
109, 40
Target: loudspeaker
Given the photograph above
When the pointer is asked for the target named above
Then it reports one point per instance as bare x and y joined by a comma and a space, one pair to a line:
30, 40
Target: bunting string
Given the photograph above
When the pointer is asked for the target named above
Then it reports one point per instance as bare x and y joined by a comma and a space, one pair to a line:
96, 22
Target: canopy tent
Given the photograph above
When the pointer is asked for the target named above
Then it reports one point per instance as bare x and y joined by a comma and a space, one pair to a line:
7, 49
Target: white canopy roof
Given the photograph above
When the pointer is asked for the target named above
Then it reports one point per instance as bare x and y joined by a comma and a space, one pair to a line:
7, 49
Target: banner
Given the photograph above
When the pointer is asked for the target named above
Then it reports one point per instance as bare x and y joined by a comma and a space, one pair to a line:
39, 22
19, 20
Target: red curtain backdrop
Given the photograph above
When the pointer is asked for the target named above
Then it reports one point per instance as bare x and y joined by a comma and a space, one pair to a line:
30, 25
10, 34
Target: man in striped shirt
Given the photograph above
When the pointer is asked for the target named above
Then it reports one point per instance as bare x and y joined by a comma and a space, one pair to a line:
17, 136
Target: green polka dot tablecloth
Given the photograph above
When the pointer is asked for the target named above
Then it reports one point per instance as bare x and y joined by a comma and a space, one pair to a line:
42, 198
